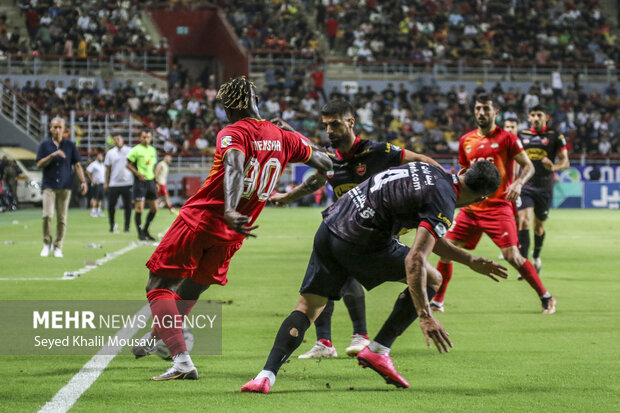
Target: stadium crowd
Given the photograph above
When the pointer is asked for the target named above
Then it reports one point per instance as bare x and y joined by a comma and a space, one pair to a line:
420, 117
281, 26
92, 28
494, 30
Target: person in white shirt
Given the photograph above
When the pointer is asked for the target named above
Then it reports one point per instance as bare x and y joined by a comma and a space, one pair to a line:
60, 89
96, 174
118, 181
161, 179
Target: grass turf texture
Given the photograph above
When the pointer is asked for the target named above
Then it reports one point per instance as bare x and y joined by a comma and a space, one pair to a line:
507, 356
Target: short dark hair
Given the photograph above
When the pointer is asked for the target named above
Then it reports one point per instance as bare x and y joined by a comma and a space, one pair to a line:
482, 177
337, 107
486, 97
539, 108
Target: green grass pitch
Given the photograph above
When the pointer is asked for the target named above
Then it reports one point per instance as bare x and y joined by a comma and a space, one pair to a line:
506, 356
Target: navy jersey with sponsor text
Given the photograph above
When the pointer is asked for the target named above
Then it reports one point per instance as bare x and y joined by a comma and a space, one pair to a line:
404, 197
538, 145
365, 159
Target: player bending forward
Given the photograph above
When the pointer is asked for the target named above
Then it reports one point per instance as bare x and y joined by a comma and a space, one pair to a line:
355, 160
211, 226
356, 239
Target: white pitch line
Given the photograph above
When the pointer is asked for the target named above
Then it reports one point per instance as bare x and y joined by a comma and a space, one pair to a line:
72, 275
88, 374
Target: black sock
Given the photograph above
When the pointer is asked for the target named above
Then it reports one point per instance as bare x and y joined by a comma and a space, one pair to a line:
323, 322
538, 243
289, 337
149, 218
138, 218
403, 314
524, 242
354, 299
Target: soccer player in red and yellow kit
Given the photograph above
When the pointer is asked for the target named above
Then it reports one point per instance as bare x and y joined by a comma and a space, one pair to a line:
495, 215
250, 156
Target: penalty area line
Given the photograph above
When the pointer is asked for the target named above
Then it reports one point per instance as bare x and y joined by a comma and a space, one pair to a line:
66, 397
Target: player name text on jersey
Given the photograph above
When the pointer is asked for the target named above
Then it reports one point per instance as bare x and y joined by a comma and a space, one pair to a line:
267, 145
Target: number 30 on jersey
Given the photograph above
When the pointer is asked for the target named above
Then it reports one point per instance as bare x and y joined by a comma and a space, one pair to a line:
266, 178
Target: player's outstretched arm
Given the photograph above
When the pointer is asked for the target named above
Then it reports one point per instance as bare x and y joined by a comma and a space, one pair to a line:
415, 265
233, 188
416, 157
320, 161
314, 182
445, 249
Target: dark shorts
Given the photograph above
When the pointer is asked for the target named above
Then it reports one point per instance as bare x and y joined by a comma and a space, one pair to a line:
96, 191
333, 261
539, 199
144, 190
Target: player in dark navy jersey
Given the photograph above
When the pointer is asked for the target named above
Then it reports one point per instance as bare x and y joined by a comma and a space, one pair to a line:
356, 239
355, 160
542, 145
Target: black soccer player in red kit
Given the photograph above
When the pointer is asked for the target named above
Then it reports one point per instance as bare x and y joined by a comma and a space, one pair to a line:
195, 253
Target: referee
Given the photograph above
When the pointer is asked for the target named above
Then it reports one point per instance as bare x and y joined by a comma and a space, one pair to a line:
118, 181
141, 161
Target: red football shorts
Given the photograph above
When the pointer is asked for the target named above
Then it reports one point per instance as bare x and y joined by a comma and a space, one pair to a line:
162, 191
199, 256
468, 227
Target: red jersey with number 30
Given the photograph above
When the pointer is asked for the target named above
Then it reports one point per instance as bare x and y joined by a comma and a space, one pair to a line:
499, 147
268, 149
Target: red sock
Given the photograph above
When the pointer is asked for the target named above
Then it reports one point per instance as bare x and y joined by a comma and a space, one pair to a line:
184, 307
167, 320
446, 272
528, 272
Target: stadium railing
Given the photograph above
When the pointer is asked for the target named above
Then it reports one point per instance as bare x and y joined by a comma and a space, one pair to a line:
94, 130
22, 113
485, 70
261, 60
151, 61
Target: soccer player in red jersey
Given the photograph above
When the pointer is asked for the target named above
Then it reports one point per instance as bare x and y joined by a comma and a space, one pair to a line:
211, 226
494, 216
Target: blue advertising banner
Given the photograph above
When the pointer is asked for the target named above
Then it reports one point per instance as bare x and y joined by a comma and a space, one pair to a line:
568, 195
602, 195
585, 173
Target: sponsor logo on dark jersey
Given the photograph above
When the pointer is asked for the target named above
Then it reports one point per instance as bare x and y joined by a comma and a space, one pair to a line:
536, 154
340, 190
